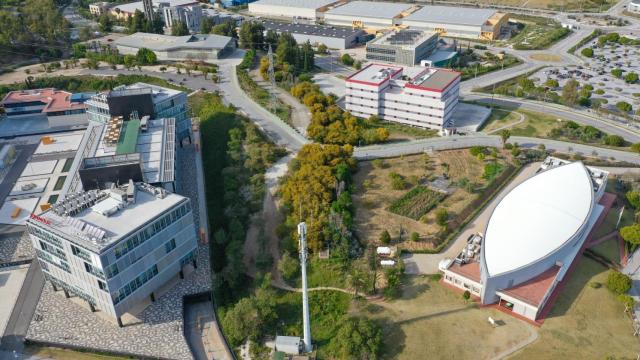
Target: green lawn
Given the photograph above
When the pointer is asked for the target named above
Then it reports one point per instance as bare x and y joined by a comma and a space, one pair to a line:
609, 249
498, 119
584, 323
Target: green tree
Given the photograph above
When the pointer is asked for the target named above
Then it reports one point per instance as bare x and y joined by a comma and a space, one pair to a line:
287, 49
129, 61
385, 238
631, 234
415, 237
251, 35
179, 28
618, 282
553, 83
288, 266
633, 197
570, 92
227, 28
347, 59
617, 72
271, 38
624, 106
631, 78
505, 134
105, 23
145, 56
322, 49
357, 338
466, 295
587, 52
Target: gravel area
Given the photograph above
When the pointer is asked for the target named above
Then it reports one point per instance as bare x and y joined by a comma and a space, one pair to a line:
160, 331
15, 247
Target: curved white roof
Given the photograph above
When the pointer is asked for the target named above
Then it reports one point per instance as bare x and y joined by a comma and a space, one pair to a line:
537, 217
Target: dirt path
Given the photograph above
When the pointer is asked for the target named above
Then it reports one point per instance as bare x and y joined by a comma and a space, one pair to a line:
300, 115
508, 126
266, 221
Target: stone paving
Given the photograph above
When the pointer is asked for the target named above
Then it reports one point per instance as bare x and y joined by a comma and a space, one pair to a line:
160, 331
15, 247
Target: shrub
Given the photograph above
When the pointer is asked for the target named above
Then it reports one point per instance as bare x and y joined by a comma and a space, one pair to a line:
552, 83
624, 106
397, 181
415, 237
635, 147
466, 295
435, 277
377, 163
617, 72
475, 150
631, 234
599, 92
614, 140
493, 169
442, 216
633, 197
631, 78
618, 282
385, 238
588, 52
627, 301
347, 60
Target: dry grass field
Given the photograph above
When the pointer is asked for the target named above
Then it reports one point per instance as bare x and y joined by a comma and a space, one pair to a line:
569, 5
375, 194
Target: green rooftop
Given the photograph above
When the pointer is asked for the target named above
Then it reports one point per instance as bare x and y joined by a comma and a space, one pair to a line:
128, 137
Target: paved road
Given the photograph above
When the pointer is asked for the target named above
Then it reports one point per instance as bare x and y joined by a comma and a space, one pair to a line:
457, 142
580, 116
331, 64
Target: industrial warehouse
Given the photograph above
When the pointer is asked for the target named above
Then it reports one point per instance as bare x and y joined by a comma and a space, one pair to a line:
373, 16
333, 37
532, 238
190, 47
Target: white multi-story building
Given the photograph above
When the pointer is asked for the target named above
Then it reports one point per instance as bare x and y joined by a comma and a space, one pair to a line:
115, 248
422, 97
191, 15
532, 238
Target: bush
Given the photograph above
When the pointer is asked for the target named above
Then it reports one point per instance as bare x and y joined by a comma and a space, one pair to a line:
627, 301
624, 106
442, 216
631, 234
618, 282
631, 78
435, 277
289, 267
377, 163
397, 181
415, 237
493, 169
466, 295
347, 60
617, 72
635, 147
475, 150
588, 52
614, 140
385, 238
633, 197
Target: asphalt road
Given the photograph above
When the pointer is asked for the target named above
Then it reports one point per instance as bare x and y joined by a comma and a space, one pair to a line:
579, 116
458, 142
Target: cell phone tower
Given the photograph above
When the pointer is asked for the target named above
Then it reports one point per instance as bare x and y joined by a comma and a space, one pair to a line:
302, 233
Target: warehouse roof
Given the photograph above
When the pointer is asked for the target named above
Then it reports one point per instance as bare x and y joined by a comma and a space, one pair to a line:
371, 9
132, 7
451, 15
434, 79
317, 30
307, 4
404, 38
537, 217
375, 74
157, 42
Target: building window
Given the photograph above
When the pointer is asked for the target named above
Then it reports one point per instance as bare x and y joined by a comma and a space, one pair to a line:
80, 253
170, 245
112, 270
102, 286
93, 270
134, 284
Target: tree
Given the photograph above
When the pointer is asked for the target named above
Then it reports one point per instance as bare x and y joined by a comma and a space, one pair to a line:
633, 197
271, 38
105, 23
614, 140
206, 24
587, 52
631, 78
179, 28
570, 92
227, 28
357, 338
442, 216
618, 282
505, 134
129, 61
635, 147
553, 83
251, 35
146, 57
631, 234
288, 266
385, 238
322, 49
466, 295
347, 59
617, 72
415, 237
624, 106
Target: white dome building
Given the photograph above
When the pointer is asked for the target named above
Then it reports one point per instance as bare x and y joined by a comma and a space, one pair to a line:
532, 238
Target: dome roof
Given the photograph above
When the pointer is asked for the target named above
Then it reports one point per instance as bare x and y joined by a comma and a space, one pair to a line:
537, 217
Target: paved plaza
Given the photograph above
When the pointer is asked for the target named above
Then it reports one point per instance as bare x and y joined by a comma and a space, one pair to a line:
15, 247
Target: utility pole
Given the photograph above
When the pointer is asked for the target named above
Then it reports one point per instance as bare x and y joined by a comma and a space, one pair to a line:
306, 323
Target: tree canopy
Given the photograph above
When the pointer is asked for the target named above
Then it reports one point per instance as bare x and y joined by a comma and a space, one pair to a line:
357, 338
631, 234
179, 28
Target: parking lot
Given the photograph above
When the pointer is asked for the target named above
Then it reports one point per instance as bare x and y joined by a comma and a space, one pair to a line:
597, 72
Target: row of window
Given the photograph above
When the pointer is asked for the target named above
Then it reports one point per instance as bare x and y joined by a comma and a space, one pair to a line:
94, 271
53, 250
132, 286
380, 57
82, 254
48, 259
44, 235
145, 234
381, 50
399, 109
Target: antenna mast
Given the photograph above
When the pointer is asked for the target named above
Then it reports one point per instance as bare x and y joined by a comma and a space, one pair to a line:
302, 232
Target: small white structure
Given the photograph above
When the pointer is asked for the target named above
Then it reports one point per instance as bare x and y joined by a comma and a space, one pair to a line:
387, 262
289, 344
383, 250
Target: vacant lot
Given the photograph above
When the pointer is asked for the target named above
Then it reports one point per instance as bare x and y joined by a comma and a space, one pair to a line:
568, 5
534, 124
376, 194
584, 323
434, 322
